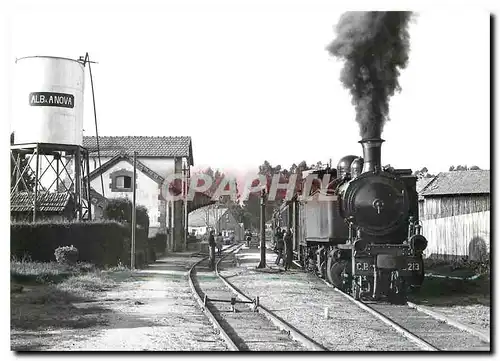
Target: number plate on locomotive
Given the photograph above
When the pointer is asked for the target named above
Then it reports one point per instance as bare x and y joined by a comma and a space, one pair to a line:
413, 266
363, 267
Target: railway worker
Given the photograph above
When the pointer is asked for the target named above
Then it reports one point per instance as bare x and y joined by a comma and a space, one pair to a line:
288, 240
211, 245
248, 237
280, 244
218, 242
277, 235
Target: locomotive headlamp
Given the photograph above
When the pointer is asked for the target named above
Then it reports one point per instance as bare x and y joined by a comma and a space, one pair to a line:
360, 245
418, 242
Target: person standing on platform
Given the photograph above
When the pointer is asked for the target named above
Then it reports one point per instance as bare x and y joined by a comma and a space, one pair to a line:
279, 247
211, 247
248, 237
288, 240
277, 235
218, 242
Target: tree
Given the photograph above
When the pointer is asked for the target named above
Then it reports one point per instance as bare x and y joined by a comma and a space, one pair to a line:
423, 173
225, 201
28, 179
120, 210
302, 167
463, 168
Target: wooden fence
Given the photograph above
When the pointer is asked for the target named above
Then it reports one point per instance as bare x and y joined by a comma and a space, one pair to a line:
458, 236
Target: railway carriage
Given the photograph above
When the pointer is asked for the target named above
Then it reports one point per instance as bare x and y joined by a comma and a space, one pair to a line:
361, 232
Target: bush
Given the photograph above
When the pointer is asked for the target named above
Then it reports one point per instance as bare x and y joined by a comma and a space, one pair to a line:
158, 242
66, 255
99, 242
120, 210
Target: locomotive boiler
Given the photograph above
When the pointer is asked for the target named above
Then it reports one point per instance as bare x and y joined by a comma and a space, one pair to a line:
361, 232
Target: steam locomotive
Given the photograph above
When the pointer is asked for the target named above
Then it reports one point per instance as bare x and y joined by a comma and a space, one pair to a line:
361, 232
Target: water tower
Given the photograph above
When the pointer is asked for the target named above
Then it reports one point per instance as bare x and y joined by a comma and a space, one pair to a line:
50, 167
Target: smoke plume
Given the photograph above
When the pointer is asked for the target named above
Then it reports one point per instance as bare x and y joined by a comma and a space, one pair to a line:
374, 47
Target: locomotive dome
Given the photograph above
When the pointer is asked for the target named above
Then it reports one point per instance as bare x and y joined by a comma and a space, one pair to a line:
357, 167
344, 165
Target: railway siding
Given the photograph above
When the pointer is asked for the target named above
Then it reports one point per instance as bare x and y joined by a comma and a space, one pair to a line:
247, 330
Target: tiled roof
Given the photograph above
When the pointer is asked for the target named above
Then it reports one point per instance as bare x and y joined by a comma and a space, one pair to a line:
95, 197
459, 182
46, 202
167, 147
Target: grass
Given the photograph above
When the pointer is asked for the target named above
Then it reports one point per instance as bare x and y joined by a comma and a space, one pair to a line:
43, 295
455, 268
28, 272
450, 292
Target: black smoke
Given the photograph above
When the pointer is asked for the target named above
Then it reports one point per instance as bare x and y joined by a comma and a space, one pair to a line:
374, 46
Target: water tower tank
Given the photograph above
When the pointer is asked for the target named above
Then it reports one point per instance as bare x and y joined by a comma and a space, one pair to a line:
48, 100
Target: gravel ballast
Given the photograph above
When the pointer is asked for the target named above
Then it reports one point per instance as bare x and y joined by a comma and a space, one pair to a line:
301, 298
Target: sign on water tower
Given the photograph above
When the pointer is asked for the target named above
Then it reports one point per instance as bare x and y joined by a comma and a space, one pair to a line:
44, 99
48, 100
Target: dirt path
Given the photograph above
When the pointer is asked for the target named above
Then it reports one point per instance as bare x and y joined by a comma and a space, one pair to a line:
151, 310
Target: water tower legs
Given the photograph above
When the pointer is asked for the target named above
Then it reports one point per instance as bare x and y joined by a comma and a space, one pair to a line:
50, 174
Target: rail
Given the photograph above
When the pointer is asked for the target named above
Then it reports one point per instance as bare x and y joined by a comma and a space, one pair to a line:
232, 346
277, 321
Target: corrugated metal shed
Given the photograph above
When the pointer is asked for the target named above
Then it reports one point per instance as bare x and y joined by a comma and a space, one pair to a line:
458, 182
46, 202
167, 147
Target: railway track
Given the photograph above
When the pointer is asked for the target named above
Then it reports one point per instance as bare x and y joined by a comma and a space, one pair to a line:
430, 330
241, 321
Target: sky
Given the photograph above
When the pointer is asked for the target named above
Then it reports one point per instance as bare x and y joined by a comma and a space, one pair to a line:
251, 83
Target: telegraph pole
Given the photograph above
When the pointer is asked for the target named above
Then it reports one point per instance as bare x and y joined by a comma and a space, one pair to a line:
185, 170
262, 263
134, 187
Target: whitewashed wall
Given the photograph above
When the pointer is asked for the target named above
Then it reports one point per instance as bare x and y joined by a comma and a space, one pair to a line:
146, 195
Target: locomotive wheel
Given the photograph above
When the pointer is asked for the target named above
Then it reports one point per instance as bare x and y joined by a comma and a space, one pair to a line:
334, 271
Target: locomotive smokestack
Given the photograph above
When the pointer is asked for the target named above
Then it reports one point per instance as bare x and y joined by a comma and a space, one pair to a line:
372, 154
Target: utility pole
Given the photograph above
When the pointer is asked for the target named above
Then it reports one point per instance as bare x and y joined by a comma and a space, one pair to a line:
262, 263
134, 187
185, 170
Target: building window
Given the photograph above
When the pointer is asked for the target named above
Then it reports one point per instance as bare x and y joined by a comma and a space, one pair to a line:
121, 181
